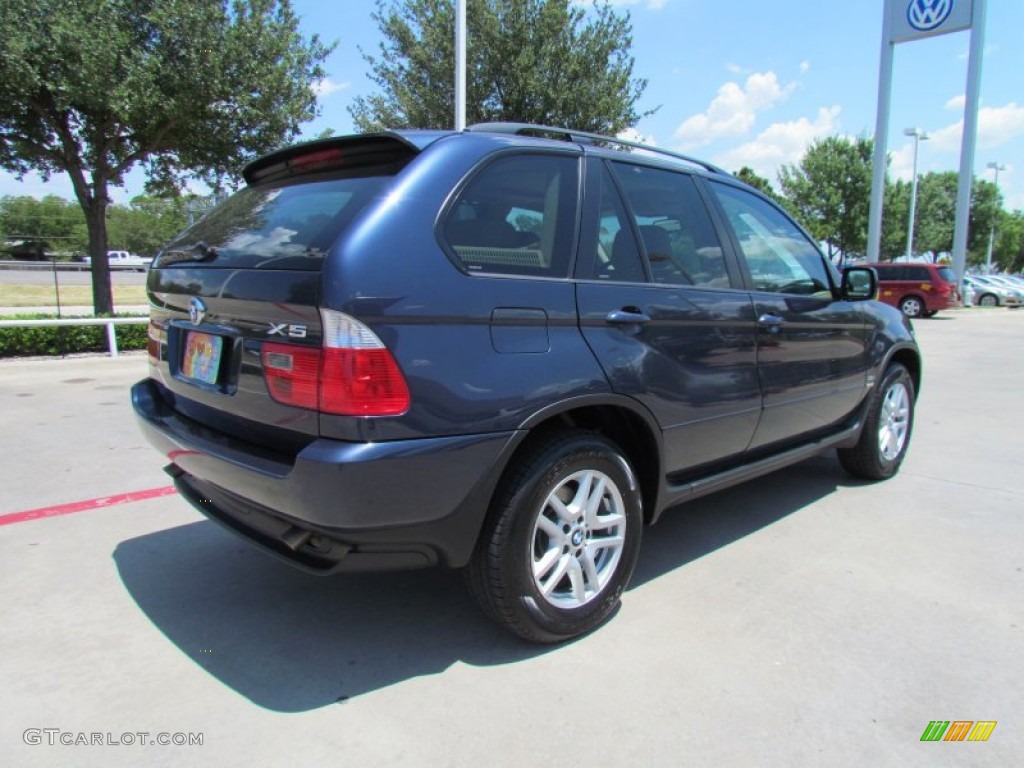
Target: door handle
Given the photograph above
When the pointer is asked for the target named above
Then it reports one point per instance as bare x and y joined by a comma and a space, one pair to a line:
771, 323
627, 316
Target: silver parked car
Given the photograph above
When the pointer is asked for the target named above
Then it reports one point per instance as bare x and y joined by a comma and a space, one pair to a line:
988, 291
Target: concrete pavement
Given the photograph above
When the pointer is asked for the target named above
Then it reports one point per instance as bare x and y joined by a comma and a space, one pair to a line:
803, 619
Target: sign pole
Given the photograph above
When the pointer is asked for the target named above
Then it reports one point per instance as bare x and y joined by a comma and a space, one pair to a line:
881, 146
963, 192
903, 21
460, 65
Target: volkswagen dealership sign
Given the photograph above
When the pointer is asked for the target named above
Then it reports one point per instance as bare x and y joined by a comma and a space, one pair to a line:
913, 19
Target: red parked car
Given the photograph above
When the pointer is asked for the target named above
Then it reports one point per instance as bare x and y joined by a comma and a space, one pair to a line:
918, 290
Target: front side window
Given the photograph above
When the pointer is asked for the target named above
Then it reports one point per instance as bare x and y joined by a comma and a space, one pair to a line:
517, 216
778, 255
675, 229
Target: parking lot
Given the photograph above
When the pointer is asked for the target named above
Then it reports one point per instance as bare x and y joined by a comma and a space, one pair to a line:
802, 619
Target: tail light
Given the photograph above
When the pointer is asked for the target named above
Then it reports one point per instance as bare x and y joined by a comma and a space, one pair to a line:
353, 374
156, 337
292, 373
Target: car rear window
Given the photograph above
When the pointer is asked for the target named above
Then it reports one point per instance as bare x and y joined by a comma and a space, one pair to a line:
947, 274
285, 226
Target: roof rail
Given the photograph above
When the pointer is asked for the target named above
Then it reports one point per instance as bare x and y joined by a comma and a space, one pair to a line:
583, 137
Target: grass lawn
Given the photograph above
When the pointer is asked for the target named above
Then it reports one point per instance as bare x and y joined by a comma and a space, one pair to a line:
70, 295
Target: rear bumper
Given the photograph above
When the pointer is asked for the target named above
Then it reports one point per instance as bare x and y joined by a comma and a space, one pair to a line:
335, 506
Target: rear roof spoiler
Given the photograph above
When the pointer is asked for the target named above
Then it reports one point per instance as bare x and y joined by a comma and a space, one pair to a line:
336, 153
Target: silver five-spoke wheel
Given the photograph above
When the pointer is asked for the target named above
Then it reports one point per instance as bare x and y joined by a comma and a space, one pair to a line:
578, 537
894, 422
888, 423
561, 538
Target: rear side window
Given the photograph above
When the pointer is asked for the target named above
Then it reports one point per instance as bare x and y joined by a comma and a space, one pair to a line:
517, 216
918, 274
289, 226
617, 257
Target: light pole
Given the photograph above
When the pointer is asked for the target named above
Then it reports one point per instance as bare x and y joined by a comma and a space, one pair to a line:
919, 136
992, 232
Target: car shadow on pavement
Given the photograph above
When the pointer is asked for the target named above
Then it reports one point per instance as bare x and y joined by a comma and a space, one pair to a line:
292, 642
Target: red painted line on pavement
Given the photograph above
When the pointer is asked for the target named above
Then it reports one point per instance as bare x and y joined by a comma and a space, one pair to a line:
83, 506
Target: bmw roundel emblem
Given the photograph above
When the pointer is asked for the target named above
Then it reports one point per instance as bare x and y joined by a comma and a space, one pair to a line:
196, 311
926, 15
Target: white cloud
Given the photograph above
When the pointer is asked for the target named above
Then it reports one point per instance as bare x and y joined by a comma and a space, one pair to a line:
957, 103
996, 126
733, 111
327, 86
901, 161
632, 134
780, 143
804, 67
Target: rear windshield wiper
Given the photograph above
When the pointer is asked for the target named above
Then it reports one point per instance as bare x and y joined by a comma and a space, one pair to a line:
197, 252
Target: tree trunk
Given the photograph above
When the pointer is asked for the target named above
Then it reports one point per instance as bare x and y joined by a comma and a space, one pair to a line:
96, 221
93, 200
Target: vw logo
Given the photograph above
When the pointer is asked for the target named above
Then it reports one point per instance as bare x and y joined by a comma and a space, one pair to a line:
926, 15
196, 311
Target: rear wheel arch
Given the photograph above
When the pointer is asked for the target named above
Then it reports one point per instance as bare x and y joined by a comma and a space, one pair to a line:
627, 425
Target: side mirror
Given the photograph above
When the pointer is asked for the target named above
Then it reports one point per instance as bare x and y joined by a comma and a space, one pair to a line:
859, 283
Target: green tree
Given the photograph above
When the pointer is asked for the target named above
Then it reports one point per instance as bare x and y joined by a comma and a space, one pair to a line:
830, 190
1008, 250
551, 62
92, 88
936, 215
748, 175
146, 223
894, 221
52, 223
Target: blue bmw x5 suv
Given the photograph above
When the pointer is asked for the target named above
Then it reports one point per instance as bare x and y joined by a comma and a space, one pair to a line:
506, 350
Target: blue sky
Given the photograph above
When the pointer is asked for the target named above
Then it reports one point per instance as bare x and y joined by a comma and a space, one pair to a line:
743, 82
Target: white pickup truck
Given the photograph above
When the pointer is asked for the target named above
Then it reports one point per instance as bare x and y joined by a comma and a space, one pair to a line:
125, 260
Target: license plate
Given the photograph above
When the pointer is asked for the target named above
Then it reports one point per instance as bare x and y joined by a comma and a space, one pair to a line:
202, 357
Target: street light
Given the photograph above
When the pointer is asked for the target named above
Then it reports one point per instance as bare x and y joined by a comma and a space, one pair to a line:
992, 232
919, 136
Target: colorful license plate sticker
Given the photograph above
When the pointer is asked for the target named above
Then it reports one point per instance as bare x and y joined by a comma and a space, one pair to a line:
202, 356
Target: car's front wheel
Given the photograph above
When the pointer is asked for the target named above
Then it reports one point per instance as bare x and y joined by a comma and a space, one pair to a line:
885, 437
561, 540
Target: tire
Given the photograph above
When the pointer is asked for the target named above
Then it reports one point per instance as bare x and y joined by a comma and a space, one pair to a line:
988, 300
885, 437
911, 306
545, 569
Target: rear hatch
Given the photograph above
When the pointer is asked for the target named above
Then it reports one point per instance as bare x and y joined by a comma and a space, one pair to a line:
235, 331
